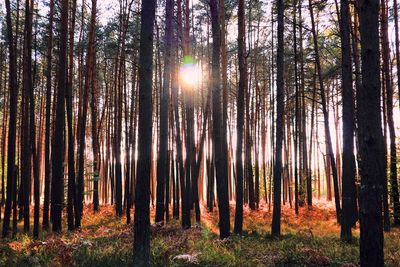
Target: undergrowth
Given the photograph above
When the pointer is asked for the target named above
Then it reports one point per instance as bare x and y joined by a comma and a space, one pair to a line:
310, 239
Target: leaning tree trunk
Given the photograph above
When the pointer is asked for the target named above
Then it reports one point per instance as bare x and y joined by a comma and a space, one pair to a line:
325, 112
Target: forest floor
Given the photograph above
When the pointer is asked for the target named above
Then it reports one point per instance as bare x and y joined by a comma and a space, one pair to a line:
310, 239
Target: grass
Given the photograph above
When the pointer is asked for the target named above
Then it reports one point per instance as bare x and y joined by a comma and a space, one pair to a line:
310, 239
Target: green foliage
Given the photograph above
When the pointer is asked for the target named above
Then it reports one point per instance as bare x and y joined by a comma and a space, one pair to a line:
106, 241
103, 252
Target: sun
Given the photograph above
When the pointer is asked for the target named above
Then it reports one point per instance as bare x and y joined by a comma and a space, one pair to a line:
190, 74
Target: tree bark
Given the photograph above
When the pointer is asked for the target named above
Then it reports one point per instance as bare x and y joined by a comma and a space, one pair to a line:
240, 117
276, 215
47, 165
141, 245
389, 109
57, 188
164, 112
370, 137
222, 181
349, 201
325, 112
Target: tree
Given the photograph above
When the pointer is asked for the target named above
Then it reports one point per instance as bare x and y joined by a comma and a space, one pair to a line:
32, 133
325, 112
397, 42
95, 140
370, 138
72, 204
240, 118
57, 182
189, 116
164, 112
47, 166
26, 150
222, 179
89, 80
13, 93
141, 241
397, 49
389, 113
349, 204
276, 216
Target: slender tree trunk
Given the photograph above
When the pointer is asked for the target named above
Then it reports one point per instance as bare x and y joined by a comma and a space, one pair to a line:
57, 188
349, 201
389, 109
5, 126
325, 112
95, 141
297, 114
141, 245
240, 118
72, 204
397, 42
89, 79
32, 137
47, 165
164, 112
384, 84
220, 160
224, 88
26, 156
276, 216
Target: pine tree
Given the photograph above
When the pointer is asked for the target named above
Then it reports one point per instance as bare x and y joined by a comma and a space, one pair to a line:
141, 241
370, 138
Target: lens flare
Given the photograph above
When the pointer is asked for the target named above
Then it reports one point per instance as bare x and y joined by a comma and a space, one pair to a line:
190, 73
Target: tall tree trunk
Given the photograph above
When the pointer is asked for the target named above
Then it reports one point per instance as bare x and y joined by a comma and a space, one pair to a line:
57, 188
47, 165
95, 140
188, 94
164, 112
349, 201
26, 156
389, 108
297, 116
32, 135
276, 216
370, 138
325, 112
89, 79
240, 117
397, 42
141, 245
224, 88
72, 204
3, 86
220, 157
